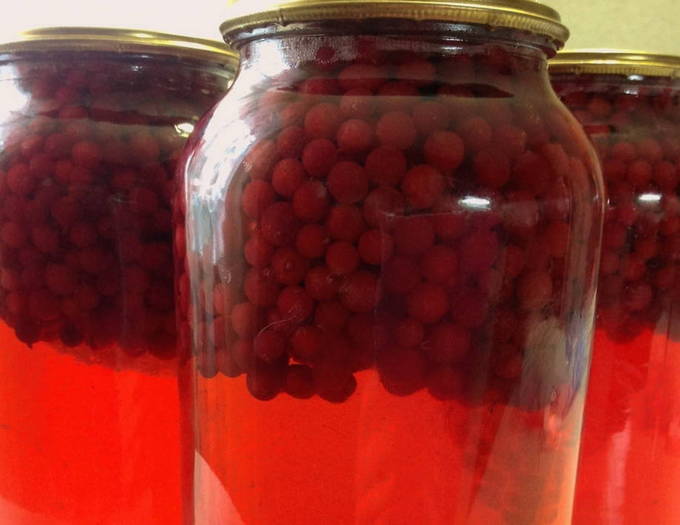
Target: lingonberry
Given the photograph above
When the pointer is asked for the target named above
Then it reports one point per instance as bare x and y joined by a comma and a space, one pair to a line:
422, 186
287, 177
391, 219
396, 129
347, 182
312, 241
386, 166
342, 258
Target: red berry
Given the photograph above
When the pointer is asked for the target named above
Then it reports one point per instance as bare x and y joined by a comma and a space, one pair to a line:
265, 381
260, 288
440, 265
19, 180
382, 205
269, 345
342, 258
310, 201
444, 150
650, 149
401, 275
278, 224
359, 292
321, 284
319, 157
289, 266
386, 166
86, 153
331, 316
409, 332
258, 252
397, 130
299, 382
532, 173
287, 177
638, 297
413, 235
257, 197
599, 107
449, 221
492, 168
402, 370
422, 186
342, 386
428, 303
43, 305
347, 182
294, 304
449, 343
290, 142
312, 240
469, 307
322, 121
354, 136
307, 343
624, 151
476, 133
345, 223
60, 279
511, 139
375, 247
639, 173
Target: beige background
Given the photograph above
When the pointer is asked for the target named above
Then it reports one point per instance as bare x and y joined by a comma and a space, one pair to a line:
652, 25
648, 25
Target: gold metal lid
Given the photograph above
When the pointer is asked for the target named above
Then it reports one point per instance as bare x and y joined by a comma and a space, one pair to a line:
122, 41
526, 15
615, 62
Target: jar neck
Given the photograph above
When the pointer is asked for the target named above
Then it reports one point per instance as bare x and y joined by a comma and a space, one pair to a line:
645, 97
463, 54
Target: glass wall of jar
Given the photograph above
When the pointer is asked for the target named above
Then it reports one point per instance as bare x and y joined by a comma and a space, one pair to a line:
391, 231
629, 104
91, 125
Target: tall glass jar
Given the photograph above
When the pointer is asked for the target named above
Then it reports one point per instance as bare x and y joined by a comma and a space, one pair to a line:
391, 226
92, 122
629, 104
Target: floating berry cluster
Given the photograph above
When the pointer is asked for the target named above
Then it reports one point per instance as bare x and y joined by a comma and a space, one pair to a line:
637, 134
86, 180
404, 211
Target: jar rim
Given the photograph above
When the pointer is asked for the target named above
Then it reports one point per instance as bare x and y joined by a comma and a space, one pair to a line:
615, 62
525, 15
77, 38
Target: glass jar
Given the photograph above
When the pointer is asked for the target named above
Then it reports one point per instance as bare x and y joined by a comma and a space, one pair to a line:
629, 104
391, 228
92, 122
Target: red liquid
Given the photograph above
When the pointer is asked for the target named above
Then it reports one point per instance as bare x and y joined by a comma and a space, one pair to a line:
630, 462
84, 443
380, 459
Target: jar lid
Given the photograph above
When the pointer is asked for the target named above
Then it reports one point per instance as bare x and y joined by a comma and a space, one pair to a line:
615, 62
120, 41
526, 15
